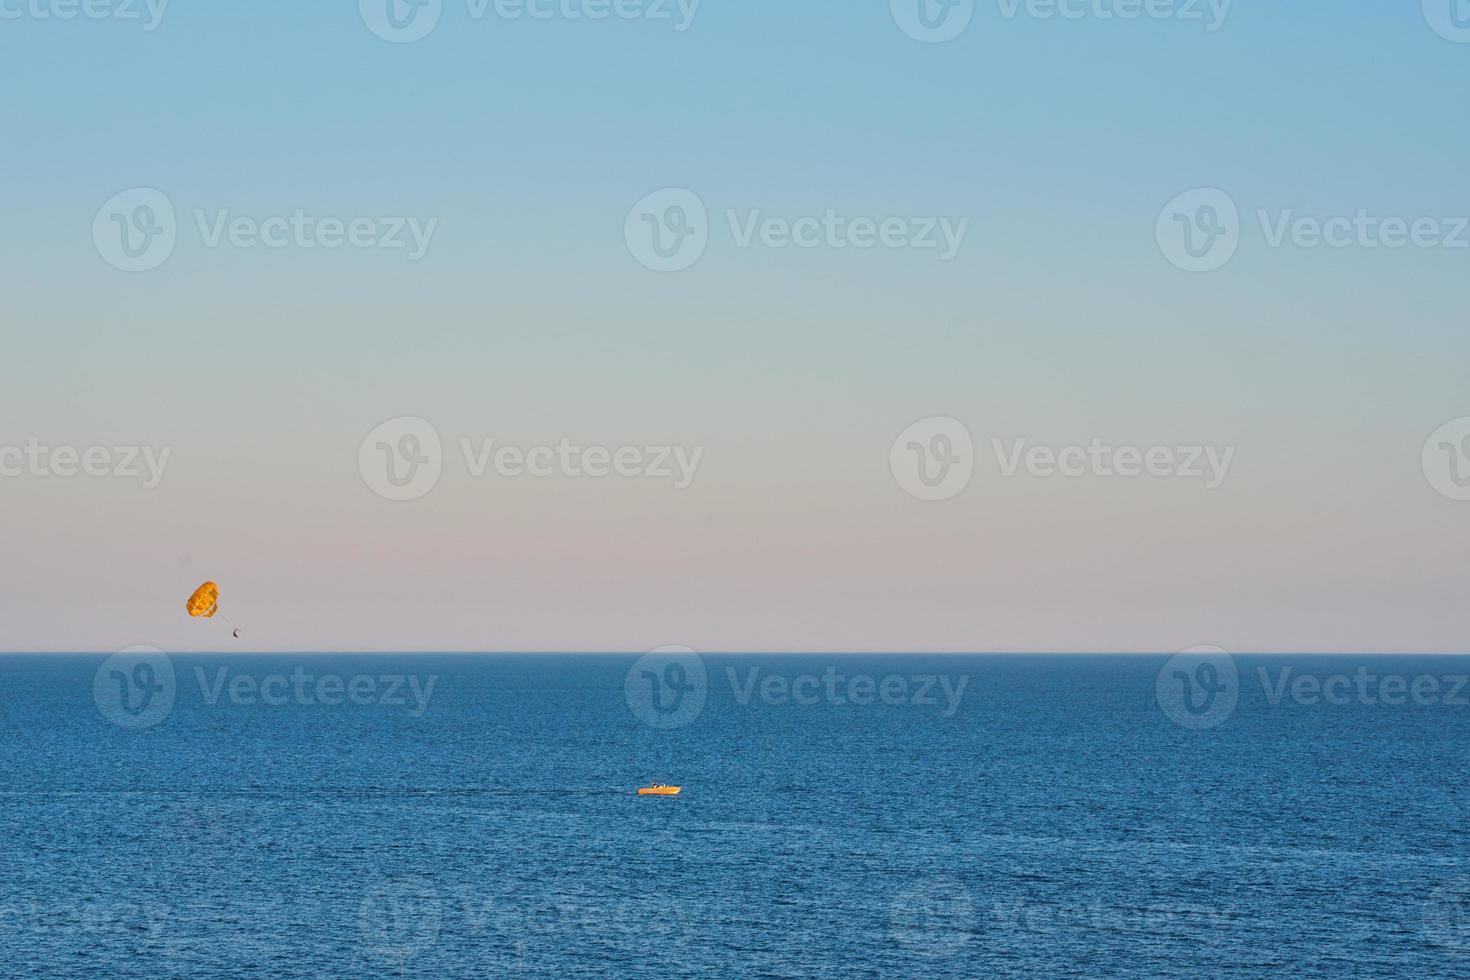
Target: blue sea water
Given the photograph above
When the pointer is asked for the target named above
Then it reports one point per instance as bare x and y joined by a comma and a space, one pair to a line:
840, 816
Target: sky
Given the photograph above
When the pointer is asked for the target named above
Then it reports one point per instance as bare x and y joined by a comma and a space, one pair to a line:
828, 326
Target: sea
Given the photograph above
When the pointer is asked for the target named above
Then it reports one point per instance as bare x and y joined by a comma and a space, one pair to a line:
434, 816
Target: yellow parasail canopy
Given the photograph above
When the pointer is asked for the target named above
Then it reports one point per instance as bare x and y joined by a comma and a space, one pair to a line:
205, 601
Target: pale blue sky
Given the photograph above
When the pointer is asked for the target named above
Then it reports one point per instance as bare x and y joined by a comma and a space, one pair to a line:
528, 320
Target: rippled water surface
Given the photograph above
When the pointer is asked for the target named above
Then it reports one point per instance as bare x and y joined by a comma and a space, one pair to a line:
930, 816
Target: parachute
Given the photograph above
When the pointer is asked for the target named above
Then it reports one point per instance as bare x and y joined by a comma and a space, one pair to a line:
204, 603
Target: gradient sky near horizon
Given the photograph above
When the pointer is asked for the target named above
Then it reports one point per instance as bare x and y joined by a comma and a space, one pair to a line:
530, 320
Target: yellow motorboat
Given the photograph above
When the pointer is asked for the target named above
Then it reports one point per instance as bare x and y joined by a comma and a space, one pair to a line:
658, 789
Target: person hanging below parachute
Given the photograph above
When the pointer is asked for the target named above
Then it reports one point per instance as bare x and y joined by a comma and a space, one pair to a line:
204, 603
